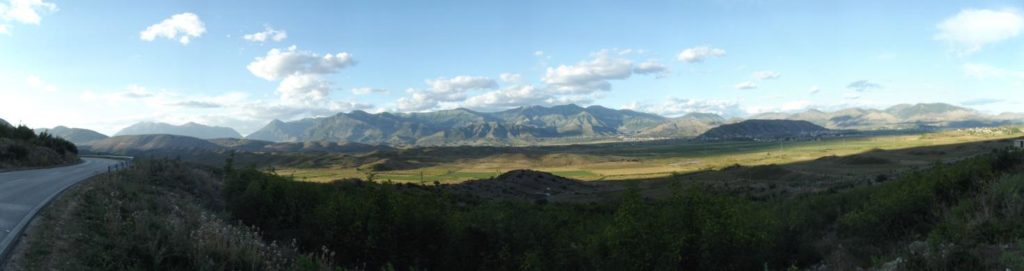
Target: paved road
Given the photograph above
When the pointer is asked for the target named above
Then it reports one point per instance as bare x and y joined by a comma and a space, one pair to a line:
23, 193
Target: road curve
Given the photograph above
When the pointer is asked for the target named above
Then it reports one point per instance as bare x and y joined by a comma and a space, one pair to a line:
23, 193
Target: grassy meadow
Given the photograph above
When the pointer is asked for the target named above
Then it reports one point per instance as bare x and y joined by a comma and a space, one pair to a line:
646, 160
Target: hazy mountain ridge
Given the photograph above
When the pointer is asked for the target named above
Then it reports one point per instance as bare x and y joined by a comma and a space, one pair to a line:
190, 129
901, 116
463, 126
4, 123
78, 136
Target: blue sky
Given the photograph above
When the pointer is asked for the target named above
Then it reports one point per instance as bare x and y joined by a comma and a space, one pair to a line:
107, 64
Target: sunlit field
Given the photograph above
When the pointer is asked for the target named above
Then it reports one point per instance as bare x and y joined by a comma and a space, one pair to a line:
656, 159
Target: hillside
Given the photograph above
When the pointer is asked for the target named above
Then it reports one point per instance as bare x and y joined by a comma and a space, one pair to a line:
189, 129
20, 147
75, 135
249, 145
522, 125
689, 125
765, 130
141, 143
4, 123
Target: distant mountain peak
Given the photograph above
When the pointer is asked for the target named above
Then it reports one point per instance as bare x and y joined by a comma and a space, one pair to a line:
190, 129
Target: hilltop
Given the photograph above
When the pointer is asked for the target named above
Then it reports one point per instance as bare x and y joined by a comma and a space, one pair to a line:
765, 130
191, 129
78, 136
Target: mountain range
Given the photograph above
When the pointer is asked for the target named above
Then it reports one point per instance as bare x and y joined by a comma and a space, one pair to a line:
573, 124
902, 116
191, 129
4, 122
78, 136
519, 126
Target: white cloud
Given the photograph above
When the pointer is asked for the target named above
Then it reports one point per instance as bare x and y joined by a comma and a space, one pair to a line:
460, 84
971, 29
304, 88
302, 74
268, 33
674, 107
25, 11
651, 67
278, 64
511, 78
698, 54
852, 95
746, 85
538, 53
814, 89
417, 101
862, 85
508, 98
443, 90
36, 83
367, 91
5, 29
984, 71
588, 76
182, 27
766, 75
796, 105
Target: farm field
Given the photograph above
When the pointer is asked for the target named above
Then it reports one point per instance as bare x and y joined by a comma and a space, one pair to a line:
652, 160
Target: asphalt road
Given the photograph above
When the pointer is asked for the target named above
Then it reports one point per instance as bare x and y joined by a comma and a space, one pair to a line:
23, 193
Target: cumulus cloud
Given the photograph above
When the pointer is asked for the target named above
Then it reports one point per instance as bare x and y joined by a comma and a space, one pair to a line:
301, 73
674, 107
862, 85
182, 27
746, 85
278, 64
268, 33
766, 75
368, 90
416, 101
508, 97
36, 83
304, 88
651, 67
971, 29
814, 89
25, 11
698, 54
443, 90
459, 84
511, 78
588, 76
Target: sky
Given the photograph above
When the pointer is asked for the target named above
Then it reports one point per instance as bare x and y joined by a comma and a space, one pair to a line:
104, 64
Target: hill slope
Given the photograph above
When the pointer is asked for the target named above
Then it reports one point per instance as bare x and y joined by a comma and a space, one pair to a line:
75, 135
189, 129
21, 147
140, 143
764, 130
